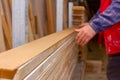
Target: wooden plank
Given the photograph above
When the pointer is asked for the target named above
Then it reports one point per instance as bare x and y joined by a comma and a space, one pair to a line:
6, 29
39, 13
10, 3
79, 8
65, 14
32, 19
19, 22
8, 13
31, 50
51, 16
2, 41
59, 14
30, 32
70, 14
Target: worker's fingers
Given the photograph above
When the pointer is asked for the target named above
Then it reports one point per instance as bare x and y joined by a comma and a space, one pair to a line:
80, 35
85, 40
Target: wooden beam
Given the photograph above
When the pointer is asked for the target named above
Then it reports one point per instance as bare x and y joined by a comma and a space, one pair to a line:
2, 41
10, 2
19, 22
21, 63
32, 19
39, 12
8, 13
79, 8
59, 14
70, 14
6, 29
65, 14
51, 16
30, 31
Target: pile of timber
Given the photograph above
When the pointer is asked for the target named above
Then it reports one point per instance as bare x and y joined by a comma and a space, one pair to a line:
41, 20
78, 15
53, 57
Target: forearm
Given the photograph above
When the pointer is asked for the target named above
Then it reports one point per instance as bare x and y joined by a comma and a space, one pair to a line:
108, 18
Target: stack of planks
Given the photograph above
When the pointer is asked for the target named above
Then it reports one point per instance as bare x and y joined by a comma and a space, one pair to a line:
78, 15
5, 25
53, 57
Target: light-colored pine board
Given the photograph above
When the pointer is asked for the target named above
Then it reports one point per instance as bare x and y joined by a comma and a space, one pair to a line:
10, 4
6, 29
70, 4
30, 31
59, 14
79, 8
78, 15
31, 50
8, 13
39, 4
51, 16
65, 14
2, 42
32, 18
19, 22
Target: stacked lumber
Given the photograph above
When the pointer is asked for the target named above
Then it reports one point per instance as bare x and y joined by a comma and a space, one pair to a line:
78, 15
53, 57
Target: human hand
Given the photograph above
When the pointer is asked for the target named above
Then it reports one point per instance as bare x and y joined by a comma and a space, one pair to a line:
85, 34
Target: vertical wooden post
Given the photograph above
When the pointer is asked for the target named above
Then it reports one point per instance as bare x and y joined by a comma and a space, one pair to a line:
70, 14
59, 15
6, 29
8, 13
39, 18
51, 16
65, 14
2, 42
19, 22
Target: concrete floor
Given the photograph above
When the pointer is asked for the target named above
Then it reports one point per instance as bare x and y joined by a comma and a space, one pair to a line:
95, 76
88, 75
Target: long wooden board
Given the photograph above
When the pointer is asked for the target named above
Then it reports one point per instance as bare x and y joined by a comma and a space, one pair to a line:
59, 14
2, 41
32, 50
8, 13
51, 16
19, 22
6, 29
40, 19
32, 19
65, 14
